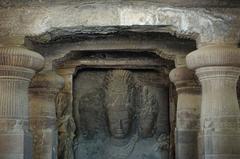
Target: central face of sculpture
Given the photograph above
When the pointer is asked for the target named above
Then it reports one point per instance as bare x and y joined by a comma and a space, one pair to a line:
118, 102
119, 123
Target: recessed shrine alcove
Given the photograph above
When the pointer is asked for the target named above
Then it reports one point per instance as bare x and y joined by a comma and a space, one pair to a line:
121, 114
120, 104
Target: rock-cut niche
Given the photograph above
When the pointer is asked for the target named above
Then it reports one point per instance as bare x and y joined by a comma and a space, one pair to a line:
121, 114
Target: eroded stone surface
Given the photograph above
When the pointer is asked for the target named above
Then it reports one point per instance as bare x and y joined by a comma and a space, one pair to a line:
205, 25
182, 3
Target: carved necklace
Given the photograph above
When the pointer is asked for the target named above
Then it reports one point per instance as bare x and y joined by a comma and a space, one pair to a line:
119, 151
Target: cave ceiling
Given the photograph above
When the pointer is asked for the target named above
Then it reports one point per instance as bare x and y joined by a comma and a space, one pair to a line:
175, 3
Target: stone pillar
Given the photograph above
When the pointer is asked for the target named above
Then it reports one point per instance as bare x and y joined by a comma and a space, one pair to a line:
43, 90
66, 125
17, 66
217, 67
188, 112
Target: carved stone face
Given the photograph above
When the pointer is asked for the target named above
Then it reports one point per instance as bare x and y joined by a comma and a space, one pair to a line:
119, 123
146, 123
147, 114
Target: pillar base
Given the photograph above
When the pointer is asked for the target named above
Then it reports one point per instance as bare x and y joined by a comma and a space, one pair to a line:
187, 144
15, 145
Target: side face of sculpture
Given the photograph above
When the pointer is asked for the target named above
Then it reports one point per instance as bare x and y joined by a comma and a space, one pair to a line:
89, 111
151, 101
148, 113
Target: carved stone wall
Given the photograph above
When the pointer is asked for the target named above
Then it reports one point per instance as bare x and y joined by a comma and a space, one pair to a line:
121, 114
153, 109
65, 122
89, 111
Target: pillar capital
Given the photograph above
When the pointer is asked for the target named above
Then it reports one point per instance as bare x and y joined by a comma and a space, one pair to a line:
19, 62
47, 81
184, 80
180, 61
66, 71
21, 57
67, 74
214, 55
44, 87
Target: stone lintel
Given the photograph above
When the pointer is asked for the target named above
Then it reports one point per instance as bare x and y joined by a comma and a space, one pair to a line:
184, 80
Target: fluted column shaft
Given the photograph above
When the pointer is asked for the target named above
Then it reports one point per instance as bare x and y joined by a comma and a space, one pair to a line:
188, 112
43, 90
217, 68
17, 66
